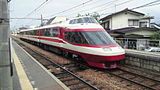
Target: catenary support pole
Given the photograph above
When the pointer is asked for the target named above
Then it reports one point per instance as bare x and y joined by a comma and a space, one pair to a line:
5, 63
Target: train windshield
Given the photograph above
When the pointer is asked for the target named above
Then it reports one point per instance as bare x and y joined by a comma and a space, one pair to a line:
83, 20
98, 38
89, 37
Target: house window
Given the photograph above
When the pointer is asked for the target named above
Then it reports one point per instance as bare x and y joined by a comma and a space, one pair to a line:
132, 22
143, 24
102, 25
107, 25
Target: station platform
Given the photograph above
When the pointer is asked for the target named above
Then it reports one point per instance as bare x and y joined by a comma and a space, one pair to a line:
30, 74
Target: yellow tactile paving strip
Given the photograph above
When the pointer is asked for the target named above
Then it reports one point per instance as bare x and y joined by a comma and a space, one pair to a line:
24, 81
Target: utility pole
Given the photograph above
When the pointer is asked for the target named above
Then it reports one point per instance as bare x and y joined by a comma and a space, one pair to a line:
115, 8
5, 62
41, 20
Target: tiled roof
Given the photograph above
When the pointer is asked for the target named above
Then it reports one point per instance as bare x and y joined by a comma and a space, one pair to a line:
125, 10
131, 29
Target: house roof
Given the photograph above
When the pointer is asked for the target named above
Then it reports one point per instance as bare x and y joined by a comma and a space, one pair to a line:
125, 10
131, 29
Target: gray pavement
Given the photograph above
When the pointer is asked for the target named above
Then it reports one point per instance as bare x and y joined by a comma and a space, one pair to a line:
36, 74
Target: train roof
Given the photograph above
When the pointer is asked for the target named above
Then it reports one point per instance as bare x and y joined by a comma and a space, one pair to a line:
43, 27
67, 24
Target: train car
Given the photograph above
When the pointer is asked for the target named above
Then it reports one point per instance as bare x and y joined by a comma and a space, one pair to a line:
81, 38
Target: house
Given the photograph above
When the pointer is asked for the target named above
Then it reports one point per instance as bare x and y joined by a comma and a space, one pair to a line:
132, 32
128, 24
125, 18
130, 29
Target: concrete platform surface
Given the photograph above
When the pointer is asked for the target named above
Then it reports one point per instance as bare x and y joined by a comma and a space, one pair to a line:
30, 74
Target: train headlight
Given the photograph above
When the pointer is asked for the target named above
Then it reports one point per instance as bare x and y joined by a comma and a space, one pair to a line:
107, 49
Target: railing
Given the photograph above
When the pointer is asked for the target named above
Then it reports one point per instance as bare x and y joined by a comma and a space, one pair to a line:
137, 44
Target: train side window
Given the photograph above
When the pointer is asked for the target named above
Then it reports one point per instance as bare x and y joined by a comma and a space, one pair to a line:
27, 33
74, 21
75, 37
35, 32
54, 32
80, 20
31, 32
47, 32
71, 22
67, 36
42, 32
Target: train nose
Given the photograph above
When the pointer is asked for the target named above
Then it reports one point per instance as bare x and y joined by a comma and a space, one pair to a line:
107, 49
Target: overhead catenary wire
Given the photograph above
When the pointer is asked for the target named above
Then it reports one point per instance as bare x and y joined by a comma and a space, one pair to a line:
153, 3
101, 5
119, 4
42, 4
28, 18
70, 8
145, 5
37, 8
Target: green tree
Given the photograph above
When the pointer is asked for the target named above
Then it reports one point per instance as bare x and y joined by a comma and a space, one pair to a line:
156, 35
79, 15
94, 15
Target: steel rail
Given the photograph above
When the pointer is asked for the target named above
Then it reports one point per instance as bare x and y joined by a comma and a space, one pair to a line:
121, 67
130, 80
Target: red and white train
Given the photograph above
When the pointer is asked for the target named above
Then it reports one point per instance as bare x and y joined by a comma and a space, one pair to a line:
81, 38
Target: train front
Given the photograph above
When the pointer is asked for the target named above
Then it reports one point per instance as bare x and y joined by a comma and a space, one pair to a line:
102, 51
96, 46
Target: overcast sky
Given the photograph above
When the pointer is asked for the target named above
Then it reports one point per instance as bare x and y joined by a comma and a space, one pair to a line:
20, 8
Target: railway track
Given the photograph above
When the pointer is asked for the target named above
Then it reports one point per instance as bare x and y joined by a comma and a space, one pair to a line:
63, 72
147, 73
139, 79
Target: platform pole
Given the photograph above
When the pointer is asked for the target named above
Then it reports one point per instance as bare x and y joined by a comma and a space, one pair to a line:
5, 63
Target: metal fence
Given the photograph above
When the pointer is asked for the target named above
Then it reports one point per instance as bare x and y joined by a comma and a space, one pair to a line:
137, 44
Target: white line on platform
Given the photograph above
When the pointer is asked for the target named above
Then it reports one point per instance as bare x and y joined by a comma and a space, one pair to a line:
24, 81
52, 76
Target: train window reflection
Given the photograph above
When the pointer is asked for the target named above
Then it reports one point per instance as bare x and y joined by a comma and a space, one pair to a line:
75, 37
98, 38
83, 20
89, 37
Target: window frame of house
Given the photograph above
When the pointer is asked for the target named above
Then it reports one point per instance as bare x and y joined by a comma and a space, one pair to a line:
133, 22
143, 24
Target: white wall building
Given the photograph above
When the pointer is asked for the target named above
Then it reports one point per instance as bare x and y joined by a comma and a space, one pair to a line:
125, 18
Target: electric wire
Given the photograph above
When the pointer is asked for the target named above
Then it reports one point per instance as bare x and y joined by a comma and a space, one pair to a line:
116, 5
101, 5
43, 3
153, 3
145, 5
29, 18
70, 8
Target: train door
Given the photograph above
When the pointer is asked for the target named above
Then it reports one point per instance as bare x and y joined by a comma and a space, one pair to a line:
61, 37
38, 35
